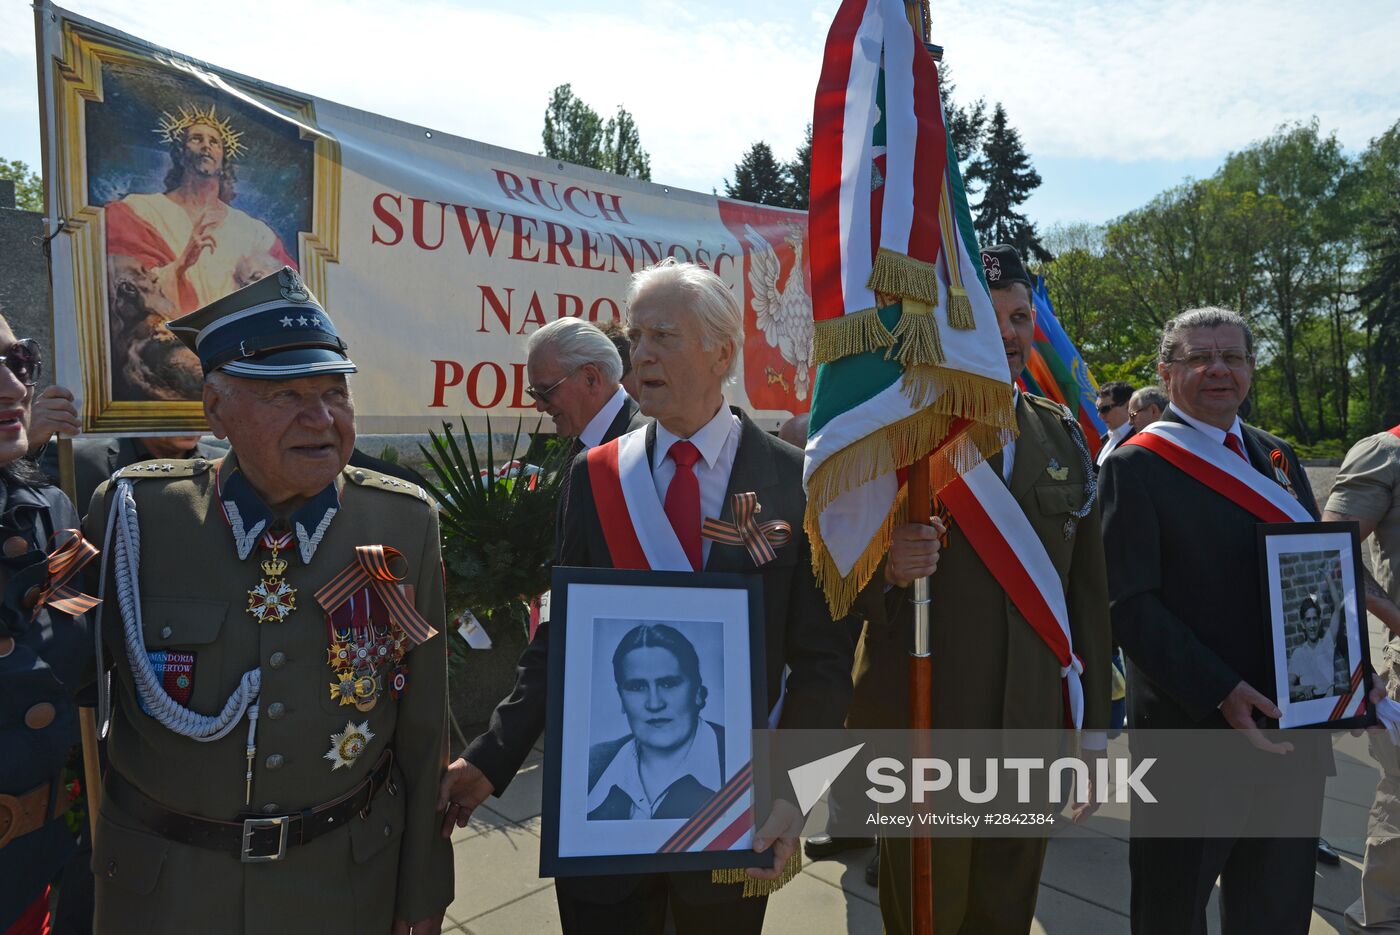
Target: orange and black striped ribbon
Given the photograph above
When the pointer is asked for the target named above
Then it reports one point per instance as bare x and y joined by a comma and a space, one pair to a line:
761, 539
371, 567
64, 563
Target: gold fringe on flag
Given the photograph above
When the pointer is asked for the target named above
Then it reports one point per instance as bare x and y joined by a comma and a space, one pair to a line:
959, 305
904, 276
986, 402
917, 333
754, 887
855, 333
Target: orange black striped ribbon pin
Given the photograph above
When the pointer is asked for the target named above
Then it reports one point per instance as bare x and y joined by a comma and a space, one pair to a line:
761, 539
371, 567
64, 563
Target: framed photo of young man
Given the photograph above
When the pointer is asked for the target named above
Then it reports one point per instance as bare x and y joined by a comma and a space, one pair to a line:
656, 682
1317, 622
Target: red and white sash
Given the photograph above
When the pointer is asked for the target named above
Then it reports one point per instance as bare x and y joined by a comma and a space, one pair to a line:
632, 515
997, 528
1217, 467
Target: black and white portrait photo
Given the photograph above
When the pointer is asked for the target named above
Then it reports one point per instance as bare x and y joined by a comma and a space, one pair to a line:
1316, 621
669, 760
656, 686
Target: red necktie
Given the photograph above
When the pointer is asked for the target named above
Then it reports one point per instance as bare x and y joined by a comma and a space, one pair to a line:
683, 500
1232, 441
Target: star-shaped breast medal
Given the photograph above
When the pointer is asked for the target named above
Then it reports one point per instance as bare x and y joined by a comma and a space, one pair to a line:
347, 745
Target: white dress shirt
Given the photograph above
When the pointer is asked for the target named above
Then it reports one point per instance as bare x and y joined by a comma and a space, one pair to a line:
1114, 437
717, 441
624, 772
1008, 454
597, 427
1216, 435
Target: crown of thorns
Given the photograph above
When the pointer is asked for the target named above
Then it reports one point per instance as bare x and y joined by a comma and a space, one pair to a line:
172, 128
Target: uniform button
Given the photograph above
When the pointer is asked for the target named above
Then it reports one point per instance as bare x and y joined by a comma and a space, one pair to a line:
358, 475
274, 761
271, 808
276, 710
39, 716
277, 660
387, 830
15, 546
7, 646
166, 633
31, 597
111, 869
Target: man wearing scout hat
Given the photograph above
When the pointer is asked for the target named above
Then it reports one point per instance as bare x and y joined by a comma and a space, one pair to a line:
992, 667
277, 732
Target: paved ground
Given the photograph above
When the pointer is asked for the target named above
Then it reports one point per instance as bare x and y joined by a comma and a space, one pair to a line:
1084, 887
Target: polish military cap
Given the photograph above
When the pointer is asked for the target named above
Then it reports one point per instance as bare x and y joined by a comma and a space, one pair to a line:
271, 329
1002, 266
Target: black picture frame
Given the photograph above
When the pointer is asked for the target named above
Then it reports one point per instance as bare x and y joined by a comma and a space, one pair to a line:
1312, 581
590, 607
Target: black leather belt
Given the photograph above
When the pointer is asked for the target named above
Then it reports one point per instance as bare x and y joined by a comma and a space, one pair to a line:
253, 839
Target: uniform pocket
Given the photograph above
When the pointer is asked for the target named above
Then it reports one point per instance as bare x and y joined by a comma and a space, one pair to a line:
1059, 498
170, 622
128, 858
383, 826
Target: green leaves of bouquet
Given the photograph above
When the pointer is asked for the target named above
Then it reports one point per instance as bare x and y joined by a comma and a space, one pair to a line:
497, 524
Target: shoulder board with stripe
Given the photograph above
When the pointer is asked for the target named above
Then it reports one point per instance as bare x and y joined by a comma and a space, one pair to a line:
165, 469
1059, 409
363, 477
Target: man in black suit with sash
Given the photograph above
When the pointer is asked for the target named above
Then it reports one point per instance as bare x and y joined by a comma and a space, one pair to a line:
1183, 574
575, 376
686, 330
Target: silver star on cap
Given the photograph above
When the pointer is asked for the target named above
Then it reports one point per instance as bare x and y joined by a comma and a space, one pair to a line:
302, 321
286, 322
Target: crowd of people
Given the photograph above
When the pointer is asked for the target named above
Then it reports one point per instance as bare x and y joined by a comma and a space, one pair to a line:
271, 674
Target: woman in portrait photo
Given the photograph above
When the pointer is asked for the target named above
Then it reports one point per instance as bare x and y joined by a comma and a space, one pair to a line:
1312, 669
672, 761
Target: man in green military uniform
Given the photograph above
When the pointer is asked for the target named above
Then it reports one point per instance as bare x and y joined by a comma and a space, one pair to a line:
991, 669
278, 720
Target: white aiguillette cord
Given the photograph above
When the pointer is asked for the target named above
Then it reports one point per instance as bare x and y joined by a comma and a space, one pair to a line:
122, 521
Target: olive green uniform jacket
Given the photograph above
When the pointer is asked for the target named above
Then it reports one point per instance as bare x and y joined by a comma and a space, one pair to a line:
991, 670
386, 865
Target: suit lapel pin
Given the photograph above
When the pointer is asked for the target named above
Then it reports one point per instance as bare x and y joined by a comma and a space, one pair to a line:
1281, 471
1056, 472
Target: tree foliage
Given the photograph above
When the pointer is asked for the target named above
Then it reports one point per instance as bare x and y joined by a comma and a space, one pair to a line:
1006, 179
29, 187
760, 178
574, 132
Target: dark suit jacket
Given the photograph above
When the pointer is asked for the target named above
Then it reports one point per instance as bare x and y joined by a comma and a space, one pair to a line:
629, 417
681, 799
1183, 576
96, 459
990, 668
1103, 440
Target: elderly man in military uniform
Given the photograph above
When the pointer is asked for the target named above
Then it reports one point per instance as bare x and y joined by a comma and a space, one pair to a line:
992, 670
278, 711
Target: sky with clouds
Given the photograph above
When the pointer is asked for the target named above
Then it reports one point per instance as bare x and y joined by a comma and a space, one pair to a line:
1115, 101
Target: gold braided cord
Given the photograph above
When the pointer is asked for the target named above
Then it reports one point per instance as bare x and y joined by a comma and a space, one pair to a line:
917, 332
904, 276
959, 305
754, 887
856, 333
987, 403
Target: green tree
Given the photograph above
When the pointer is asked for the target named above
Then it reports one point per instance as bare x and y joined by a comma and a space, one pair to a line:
1379, 290
799, 174
1004, 172
29, 188
966, 125
574, 132
760, 178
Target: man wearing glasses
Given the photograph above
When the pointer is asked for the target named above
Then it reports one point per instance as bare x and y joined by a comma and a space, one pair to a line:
1113, 409
1146, 406
575, 376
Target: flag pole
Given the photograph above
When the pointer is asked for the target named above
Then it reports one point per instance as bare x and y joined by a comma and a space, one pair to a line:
920, 657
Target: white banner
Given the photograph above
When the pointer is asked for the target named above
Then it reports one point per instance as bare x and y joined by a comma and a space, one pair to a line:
174, 182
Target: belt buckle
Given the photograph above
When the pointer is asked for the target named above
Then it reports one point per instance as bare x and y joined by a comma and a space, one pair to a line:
11, 811
253, 825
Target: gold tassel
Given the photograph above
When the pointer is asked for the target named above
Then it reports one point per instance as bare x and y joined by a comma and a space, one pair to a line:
904, 276
855, 333
960, 309
917, 333
754, 887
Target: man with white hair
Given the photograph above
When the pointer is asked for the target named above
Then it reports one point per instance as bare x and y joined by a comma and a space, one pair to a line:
575, 372
691, 463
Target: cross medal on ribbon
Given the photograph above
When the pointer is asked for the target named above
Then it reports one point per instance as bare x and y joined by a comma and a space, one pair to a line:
273, 599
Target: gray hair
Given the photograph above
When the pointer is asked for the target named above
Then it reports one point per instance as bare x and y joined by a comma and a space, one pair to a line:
1211, 316
1150, 396
705, 294
576, 342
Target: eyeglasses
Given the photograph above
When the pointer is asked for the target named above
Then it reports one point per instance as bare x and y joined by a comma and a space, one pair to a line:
1105, 407
1232, 357
24, 361
542, 396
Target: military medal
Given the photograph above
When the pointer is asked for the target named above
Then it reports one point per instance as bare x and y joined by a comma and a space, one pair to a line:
347, 745
273, 599
1055, 471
